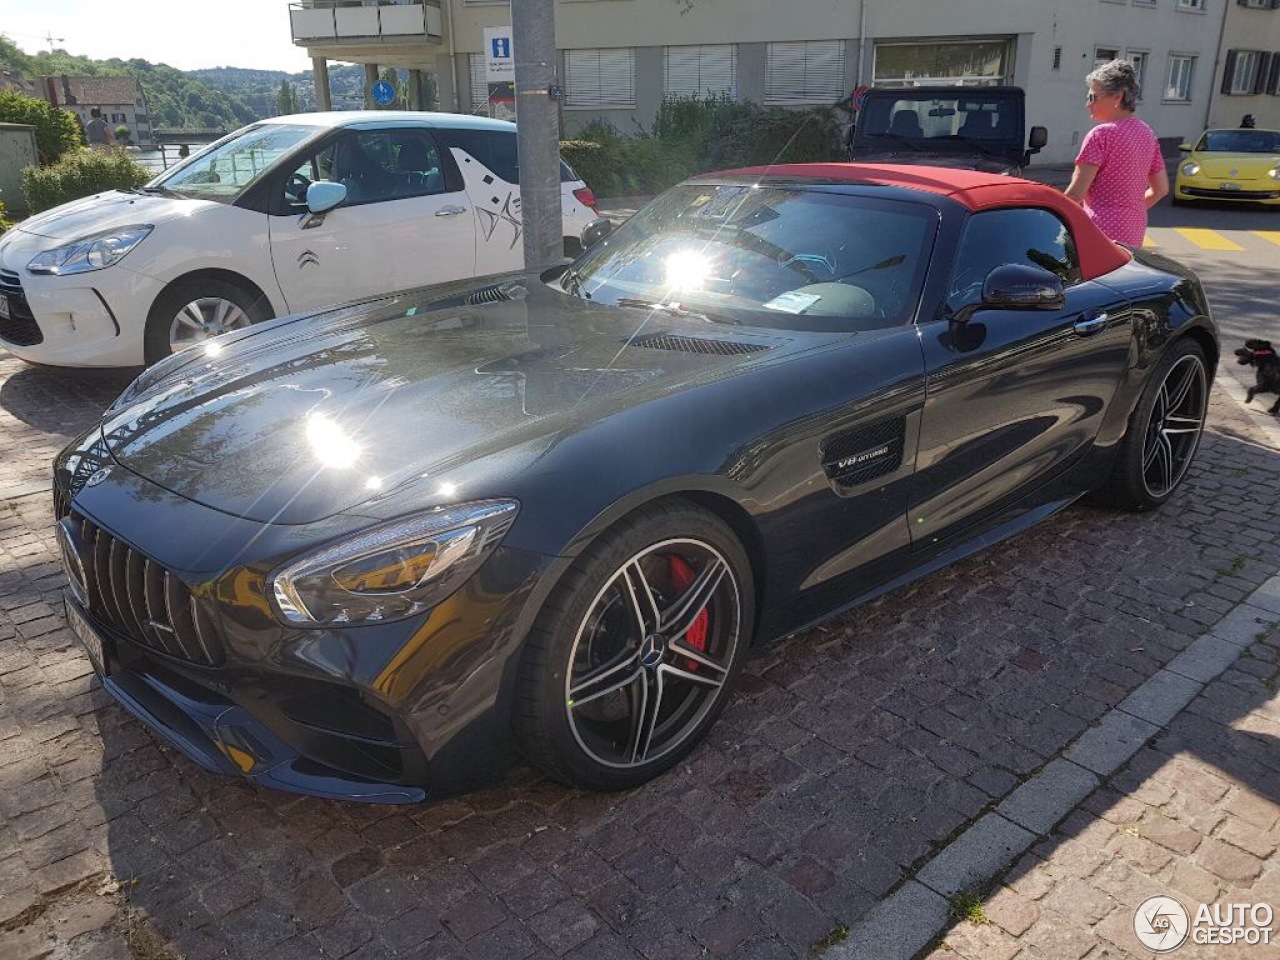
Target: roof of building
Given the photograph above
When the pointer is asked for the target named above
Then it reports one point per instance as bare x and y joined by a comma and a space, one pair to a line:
96, 91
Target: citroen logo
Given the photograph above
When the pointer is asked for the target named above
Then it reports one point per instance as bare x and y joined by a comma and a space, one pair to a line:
71, 562
98, 477
308, 258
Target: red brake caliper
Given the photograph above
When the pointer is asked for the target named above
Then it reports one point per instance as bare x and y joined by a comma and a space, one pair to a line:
682, 578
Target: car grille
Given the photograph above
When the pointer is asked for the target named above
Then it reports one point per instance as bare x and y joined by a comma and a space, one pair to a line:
722, 348
1232, 194
20, 327
136, 597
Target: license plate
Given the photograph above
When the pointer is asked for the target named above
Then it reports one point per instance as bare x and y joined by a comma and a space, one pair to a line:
4, 307
87, 636
1229, 186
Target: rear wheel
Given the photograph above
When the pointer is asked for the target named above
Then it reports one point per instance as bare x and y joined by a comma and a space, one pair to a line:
192, 311
634, 656
1164, 431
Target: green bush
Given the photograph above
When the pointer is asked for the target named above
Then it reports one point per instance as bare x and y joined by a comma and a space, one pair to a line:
81, 174
697, 134
5, 223
57, 131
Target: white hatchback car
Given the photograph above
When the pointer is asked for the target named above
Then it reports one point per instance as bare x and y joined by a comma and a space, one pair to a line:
286, 215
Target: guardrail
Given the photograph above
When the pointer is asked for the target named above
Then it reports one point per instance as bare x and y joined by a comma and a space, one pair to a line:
320, 20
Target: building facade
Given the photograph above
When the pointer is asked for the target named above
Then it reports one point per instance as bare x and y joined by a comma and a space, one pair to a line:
121, 100
1247, 80
618, 59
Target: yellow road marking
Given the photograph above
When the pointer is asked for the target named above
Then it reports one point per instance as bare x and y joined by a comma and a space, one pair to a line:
1208, 239
1272, 235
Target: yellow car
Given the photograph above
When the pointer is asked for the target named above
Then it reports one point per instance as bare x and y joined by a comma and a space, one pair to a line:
1239, 164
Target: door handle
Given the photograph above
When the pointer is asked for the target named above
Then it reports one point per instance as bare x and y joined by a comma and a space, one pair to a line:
1091, 325
450, 211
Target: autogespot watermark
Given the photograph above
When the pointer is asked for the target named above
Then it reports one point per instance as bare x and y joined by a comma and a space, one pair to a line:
1163, 924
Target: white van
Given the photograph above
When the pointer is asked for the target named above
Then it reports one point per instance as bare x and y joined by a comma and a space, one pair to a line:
290, 214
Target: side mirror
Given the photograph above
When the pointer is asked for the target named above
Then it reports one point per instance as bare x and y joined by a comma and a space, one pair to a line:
1039, 137
1018, 286
1184, 148
595, 231
324, 195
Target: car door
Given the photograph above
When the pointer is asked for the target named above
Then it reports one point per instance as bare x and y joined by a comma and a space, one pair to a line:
1014, 397
491, 174
405, 221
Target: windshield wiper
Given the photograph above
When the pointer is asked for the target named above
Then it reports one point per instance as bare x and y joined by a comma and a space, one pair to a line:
981, 146
674, 309
901, 138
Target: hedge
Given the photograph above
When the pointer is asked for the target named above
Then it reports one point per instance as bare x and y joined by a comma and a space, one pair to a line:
57, 131
81, 174
694, 135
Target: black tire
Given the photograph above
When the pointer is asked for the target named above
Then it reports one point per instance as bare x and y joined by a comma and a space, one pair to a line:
580, 738
1161, 441
177, 296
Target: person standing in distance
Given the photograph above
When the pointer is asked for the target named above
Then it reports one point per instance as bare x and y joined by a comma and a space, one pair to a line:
97, 132
1119, 172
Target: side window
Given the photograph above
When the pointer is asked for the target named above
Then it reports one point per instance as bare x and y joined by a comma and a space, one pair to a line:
375, 166
1025, 235
494, 149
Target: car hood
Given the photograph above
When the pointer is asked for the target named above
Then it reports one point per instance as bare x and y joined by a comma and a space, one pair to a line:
1238, 166
984, 163
311, 416
106, 211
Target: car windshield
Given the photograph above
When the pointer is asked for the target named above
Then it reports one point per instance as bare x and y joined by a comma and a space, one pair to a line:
791, 256
971, 117
1239, 141
225, 169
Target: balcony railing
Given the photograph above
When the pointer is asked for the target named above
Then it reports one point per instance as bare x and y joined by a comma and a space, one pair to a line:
322, 20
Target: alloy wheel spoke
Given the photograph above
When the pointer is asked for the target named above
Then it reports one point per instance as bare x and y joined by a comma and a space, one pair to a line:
190, 316
220, 312
1181, 424
603, 682
1179, 393
668, 669
679, 617
648, 716
1164, 462
696, 656
644, 606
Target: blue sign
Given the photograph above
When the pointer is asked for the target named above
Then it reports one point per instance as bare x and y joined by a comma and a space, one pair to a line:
383, 93
501, 48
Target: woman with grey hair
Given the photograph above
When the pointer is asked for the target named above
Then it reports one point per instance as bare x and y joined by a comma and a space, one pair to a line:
1119, 172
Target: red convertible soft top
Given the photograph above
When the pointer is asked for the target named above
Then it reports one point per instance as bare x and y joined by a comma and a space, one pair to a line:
977, 191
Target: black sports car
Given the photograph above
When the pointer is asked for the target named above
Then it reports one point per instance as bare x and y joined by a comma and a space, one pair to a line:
372, 552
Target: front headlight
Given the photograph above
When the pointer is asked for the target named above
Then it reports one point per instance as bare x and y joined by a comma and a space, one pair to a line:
1190, 168
1274, 173
394, 570
91, 253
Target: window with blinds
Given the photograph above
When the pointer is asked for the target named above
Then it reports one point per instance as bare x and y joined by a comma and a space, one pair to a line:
807, 71
479, 83
695, 71
600, 78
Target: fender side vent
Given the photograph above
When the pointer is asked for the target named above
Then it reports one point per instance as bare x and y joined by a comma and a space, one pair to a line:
493, 294
865, 454
719, 348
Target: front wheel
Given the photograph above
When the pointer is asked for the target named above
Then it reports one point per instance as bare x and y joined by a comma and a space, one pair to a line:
193, 311
1164, 431
634, 656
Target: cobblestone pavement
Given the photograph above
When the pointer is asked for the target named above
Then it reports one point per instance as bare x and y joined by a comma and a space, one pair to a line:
849, 755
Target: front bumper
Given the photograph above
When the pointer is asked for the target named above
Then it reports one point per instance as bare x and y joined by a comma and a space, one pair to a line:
94, 319
1263, 190
393, 713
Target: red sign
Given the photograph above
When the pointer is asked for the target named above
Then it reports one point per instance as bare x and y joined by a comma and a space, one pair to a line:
859, 94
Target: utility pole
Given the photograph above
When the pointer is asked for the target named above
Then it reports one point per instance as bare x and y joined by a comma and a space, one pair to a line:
51, 40
533, 28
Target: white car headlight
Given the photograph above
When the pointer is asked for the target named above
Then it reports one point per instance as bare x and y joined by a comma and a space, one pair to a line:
96, 252
1274, 173
394, 570
1190, 168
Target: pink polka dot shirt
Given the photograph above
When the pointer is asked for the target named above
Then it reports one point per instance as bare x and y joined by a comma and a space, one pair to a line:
1127, 155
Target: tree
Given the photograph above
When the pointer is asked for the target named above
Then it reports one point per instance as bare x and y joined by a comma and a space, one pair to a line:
287, 98
57, 131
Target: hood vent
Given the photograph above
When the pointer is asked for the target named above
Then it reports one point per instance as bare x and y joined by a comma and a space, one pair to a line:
719, 348
494, 294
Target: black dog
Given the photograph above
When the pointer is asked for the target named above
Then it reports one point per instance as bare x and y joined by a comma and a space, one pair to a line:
1260, 354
